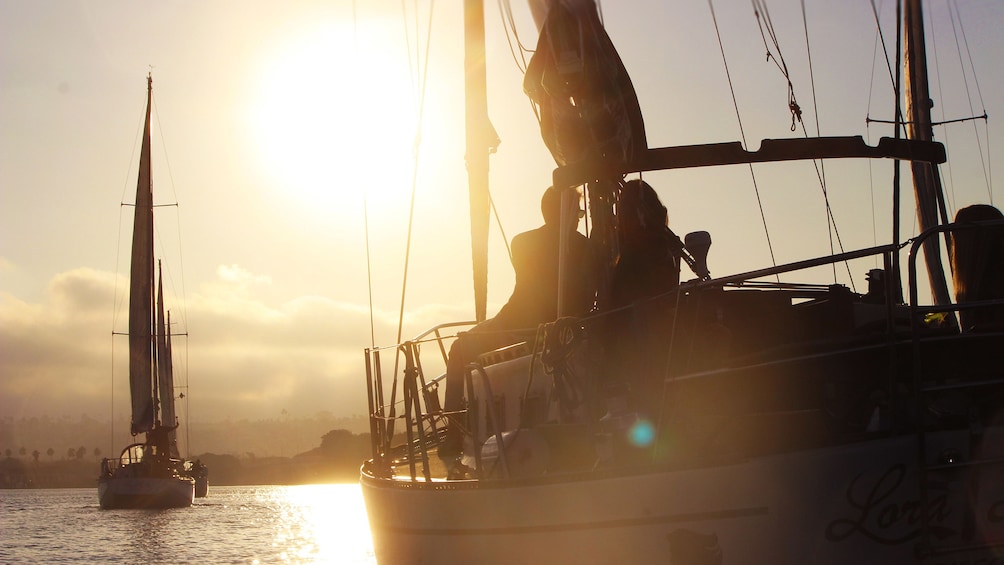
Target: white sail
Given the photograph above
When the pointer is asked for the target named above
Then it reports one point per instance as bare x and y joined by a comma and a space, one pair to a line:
141, 343
165, 368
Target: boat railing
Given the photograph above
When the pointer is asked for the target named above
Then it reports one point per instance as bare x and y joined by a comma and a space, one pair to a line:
419, 405
924, 387
745, 278
108, 466
918, 312
414, 397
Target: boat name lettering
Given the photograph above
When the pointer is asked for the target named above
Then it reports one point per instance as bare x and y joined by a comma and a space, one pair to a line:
886, 518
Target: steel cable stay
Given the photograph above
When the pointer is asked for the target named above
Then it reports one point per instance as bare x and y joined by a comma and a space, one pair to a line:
418, 75
366, 215
181, 269
509, 26
742, 133
421, 72
950, 193
773, 49
960, 27
967, 68
418, 56
518, 50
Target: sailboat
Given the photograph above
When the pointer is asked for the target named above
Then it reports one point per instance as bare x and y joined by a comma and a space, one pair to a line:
780, 422
149, 474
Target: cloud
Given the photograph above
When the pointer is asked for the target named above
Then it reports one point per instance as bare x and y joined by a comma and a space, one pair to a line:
234, 274
235, 355
57, 353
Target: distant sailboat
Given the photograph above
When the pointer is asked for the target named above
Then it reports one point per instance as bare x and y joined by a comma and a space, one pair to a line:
150, 474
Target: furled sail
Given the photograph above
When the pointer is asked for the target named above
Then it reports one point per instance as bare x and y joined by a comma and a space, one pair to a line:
141, 343
588, 106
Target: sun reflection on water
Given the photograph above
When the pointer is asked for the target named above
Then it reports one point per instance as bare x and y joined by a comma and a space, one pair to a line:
320, 524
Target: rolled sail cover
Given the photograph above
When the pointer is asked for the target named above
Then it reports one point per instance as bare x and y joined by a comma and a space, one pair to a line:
588, 106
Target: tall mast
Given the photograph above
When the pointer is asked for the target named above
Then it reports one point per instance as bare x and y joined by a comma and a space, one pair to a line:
481, 141
926, 180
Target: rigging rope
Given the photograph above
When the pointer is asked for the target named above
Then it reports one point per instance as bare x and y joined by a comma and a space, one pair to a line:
831, 223
957, 27
170, 271
520, 50
885, 50
365, 208
766, 27
423, 73
760, 7
985, 164
742, 132
871, 165
929, 20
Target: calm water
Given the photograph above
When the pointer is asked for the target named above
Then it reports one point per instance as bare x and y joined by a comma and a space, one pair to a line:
268, 524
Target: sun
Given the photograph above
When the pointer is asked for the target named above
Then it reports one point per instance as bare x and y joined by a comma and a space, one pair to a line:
334, 104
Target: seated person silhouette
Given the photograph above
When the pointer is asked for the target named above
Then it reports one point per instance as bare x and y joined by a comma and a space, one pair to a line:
977, 257
648, 266
534, 301
649, 262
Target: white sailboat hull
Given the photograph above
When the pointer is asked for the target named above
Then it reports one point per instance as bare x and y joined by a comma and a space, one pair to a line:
851, 504
145, 492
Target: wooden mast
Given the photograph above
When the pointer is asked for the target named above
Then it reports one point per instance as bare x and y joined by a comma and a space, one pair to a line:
481, 141
926, 180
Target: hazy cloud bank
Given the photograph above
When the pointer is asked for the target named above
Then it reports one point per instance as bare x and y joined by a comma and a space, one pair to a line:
244, 358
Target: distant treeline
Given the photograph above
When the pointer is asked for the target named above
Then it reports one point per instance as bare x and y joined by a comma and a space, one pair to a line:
47, 439
336, 460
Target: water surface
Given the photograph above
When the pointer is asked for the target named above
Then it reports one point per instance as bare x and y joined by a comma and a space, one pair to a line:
265, 524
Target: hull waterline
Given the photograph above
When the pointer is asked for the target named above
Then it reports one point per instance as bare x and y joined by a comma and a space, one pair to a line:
145, 492
852, 504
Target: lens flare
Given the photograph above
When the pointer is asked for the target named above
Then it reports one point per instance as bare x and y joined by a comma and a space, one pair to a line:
641, 434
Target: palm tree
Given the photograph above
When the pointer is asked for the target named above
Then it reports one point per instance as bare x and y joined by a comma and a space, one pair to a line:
34, 455
50, 452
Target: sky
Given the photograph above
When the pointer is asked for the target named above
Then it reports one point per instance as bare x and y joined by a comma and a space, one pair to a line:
289, 136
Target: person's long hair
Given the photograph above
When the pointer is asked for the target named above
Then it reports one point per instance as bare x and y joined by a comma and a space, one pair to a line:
977, 257
648, 263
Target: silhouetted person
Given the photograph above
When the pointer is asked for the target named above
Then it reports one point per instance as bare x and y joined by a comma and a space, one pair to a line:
649, 262
977, 257
648, 266
534, 301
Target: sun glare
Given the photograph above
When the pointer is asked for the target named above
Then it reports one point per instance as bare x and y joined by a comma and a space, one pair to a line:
321, 523
334, 105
